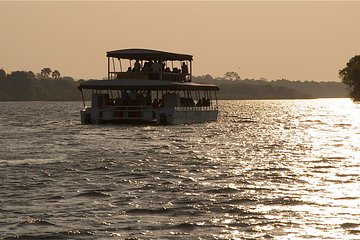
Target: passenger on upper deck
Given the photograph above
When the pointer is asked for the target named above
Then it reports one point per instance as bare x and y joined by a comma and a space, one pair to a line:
156, 66
177, 75
156, 69
137, 66
184, 68
146, 68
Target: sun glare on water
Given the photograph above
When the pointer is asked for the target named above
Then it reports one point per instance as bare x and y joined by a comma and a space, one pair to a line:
272, 169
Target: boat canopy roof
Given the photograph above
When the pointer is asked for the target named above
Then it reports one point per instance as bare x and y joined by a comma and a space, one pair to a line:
134, 84
148, 54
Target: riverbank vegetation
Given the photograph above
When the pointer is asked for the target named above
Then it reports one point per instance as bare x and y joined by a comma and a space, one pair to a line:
49, 85
350, 76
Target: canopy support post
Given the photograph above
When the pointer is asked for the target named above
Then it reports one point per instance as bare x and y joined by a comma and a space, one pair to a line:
190, 71
108, 68
82, 95
113, 62
161, 69
216, 100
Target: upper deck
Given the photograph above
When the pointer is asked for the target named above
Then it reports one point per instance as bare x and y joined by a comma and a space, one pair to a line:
149, 64
153, 85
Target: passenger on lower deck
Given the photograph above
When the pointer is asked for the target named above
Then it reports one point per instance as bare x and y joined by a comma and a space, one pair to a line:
187, 102
155, 103
148, 98
132, 98
203, 102
207, 102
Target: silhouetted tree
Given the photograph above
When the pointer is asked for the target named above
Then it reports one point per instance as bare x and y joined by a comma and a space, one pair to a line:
19, 83
21, 77
45, 73
2, 74
350, 76
55, 74
232, 76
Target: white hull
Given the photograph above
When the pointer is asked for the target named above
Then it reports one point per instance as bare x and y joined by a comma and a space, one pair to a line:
183, 115
146, 115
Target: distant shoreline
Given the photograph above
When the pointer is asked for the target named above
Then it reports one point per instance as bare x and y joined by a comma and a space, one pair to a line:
219, 99
27, 86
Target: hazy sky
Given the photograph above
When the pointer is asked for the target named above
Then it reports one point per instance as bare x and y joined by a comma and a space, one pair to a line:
273, 40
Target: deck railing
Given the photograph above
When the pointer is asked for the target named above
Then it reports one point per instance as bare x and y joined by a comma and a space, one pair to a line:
205, 108
167, 76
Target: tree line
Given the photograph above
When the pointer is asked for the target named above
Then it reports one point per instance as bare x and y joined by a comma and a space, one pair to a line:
48, 85
232, 87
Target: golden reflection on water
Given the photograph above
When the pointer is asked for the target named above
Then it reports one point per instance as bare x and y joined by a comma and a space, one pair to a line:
337, 142
317, 142
284, 169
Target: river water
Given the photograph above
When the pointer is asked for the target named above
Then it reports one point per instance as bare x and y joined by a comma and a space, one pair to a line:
284, 169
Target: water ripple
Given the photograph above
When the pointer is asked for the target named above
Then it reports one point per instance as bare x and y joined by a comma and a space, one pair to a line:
266, 170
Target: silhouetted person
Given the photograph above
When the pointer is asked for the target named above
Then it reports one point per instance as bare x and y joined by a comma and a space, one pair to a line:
156, 69
148, 98
155, 103
184, 69
156, 66
147, 67
125, 98
137, 66
207, 102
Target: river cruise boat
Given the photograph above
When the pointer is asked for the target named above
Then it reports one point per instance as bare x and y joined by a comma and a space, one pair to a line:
148, 86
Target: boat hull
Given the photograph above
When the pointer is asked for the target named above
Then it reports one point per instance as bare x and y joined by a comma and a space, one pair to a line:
184, 115
146, 115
